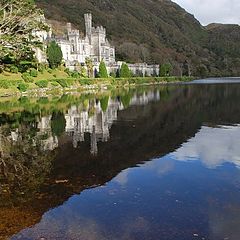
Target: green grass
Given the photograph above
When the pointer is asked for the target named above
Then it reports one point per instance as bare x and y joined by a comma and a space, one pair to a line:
56, 73
51, 76
10, 76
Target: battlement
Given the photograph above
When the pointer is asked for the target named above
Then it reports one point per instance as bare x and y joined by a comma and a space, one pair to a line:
99, 30
73, 33
88, 17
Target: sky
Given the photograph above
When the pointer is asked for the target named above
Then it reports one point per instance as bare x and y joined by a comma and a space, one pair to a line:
213, 11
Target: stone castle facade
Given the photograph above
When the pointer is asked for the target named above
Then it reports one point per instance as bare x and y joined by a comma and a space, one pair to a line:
94, 45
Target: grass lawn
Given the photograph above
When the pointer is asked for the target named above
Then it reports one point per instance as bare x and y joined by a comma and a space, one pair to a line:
41, 76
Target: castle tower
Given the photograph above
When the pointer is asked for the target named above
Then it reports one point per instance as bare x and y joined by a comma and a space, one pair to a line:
69, 27
88, 25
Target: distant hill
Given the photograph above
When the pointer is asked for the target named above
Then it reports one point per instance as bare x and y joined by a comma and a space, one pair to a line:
156, 31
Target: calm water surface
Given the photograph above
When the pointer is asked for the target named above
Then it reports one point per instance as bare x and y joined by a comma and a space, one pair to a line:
131, 164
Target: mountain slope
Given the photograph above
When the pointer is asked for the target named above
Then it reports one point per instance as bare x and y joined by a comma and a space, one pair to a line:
155, 31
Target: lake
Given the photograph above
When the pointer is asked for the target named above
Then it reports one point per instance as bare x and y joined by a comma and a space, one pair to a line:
156, 162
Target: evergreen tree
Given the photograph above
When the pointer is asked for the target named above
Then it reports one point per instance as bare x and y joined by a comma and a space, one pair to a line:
103, 70
19, 21
54, 55
125, 71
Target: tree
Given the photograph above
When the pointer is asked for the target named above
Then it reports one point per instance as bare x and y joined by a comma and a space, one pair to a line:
54, 55
83, 71
89, 65
165, 69
103, 70
201, 71
125, 71
19, 21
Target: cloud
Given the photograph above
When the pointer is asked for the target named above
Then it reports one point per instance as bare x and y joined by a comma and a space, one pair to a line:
214, 11
162, 167
212, 146
122, 178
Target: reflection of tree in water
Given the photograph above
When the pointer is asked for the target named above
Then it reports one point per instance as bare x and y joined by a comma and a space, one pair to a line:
104, 103
58, 123
24, 166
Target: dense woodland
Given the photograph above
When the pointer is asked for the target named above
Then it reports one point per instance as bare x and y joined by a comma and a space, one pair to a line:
156, 31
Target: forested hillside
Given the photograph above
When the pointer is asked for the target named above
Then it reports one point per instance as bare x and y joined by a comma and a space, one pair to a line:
156, 31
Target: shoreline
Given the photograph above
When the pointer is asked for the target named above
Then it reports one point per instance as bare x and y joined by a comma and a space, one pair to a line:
79, 85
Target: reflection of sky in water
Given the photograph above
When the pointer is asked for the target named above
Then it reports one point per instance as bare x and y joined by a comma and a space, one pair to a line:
216, 80
212, 146
162, 199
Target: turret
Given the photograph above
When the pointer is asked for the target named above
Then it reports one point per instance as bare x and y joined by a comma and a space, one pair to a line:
69, 27
88, 25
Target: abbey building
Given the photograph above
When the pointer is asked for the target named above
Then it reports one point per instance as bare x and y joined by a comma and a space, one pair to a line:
94, 45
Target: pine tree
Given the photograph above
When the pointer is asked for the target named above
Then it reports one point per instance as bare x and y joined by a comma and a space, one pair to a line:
125, 71
54, 55
103, 70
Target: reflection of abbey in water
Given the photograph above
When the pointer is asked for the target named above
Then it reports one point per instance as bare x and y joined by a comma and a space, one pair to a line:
80, 122
91, 118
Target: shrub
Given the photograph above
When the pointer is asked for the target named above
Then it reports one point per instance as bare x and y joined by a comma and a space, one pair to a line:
41, 68
65, 83
43, 100
14, 69
75, 74
15, 83
42, 83
67, 71
85, 81
26, 77
5, 84
23, 87
50, 71
55, 84
113, 74
24, 66
33, 72
7, 69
